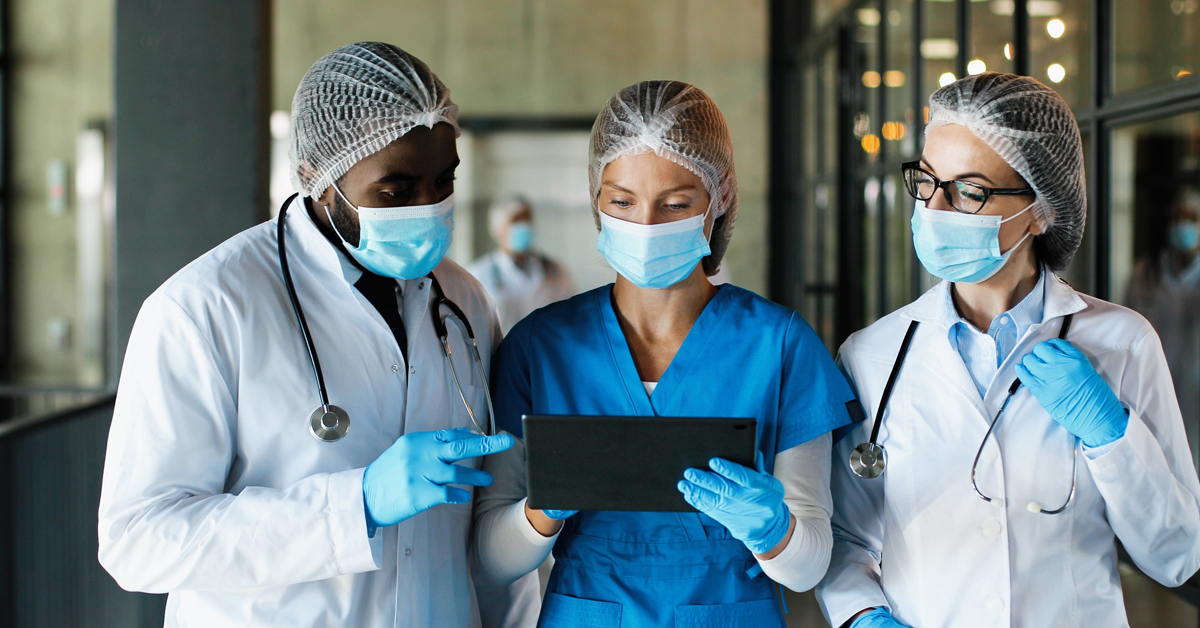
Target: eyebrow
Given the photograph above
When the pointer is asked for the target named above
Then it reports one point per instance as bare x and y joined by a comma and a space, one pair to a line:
394, 177
686, 186
965, 175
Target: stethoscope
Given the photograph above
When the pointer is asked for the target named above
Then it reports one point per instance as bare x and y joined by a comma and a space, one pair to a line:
329, 423
869, 459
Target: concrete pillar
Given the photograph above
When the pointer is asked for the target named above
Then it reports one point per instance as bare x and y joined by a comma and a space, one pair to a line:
192, 136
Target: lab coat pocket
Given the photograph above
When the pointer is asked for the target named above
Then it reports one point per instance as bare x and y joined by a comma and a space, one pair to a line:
562, 610
756, 614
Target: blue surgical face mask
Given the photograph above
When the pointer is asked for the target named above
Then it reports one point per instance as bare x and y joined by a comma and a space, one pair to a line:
520, 237
960, 247
1185, 235
653, 256
401, 242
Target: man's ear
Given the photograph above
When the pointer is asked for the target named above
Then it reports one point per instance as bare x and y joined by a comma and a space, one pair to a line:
324, 200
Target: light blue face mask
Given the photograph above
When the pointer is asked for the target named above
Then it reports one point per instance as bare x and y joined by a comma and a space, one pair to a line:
653, 256
960, 247
401, 242
1185, 235
520, 237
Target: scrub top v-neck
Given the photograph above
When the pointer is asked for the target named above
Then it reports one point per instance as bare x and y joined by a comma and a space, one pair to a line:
743, 357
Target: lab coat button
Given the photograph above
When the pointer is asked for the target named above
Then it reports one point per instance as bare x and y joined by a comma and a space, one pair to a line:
991, 528
994, 605
408, 551
395, 368
412, 370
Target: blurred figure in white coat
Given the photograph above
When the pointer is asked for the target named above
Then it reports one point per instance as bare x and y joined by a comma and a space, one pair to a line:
518, 277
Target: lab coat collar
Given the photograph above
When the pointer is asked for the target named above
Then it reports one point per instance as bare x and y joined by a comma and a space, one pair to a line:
1061, 299
310, 244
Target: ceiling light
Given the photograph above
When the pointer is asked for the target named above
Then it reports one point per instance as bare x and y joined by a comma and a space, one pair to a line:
1056, 28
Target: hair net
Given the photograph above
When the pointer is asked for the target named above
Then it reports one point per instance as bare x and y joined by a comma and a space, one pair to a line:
355, 101
501, 212
1032, 128
679, 122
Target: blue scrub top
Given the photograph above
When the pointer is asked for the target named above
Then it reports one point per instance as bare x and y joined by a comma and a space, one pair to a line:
744, 357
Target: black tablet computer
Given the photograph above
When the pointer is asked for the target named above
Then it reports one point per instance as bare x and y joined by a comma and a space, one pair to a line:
625, 463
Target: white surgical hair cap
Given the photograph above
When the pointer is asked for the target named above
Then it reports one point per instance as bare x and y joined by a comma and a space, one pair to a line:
355, 101
502, 211
675, 121
1033, 129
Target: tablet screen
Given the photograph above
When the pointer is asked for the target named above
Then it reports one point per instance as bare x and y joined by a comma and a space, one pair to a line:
625, 463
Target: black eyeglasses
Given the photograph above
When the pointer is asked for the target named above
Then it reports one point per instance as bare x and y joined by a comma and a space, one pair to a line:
963, 196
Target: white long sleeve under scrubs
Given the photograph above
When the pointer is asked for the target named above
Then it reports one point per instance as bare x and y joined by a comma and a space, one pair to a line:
508, 546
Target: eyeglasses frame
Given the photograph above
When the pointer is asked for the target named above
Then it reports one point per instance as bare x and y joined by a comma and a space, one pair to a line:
944, 187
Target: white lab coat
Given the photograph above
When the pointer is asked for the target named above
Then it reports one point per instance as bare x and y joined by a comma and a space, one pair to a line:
517, 291
214, 489
950, 559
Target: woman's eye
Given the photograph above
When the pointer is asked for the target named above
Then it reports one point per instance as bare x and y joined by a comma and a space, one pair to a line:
620, 203
679, 206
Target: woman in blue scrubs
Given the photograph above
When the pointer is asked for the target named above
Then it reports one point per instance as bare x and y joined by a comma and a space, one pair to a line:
663, 341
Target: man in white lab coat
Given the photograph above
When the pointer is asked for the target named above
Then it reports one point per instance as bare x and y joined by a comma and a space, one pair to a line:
520, 278
218, 486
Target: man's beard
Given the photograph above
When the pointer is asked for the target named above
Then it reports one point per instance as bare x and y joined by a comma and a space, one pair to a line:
343, 221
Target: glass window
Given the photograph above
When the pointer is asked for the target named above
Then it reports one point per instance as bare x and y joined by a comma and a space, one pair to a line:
897, 129
823, 10
897, 210
872, 243
1156, 42
60, 218
1060, 48
869, 88
939, 49
808, 121
991, 38
1080, 272
1155, 255
829, 111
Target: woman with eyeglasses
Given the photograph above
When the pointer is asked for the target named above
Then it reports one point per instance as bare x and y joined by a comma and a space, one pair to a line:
1016, 429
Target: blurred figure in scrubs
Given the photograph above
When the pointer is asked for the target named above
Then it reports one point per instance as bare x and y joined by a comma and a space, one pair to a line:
518, 277
663, 341
1016, 526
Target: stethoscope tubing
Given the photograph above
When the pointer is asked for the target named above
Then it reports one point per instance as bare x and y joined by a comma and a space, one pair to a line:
869, 459
318, 374
440, 328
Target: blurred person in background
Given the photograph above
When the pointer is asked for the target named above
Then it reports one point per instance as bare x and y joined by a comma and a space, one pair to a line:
1165, 288
518, 277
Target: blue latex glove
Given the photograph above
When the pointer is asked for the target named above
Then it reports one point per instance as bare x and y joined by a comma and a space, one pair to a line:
1074, 394
559, 515
747, 501
877, 618
411, 476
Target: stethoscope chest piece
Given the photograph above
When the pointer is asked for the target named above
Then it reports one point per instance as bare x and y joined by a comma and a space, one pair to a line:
329, 423
868, 460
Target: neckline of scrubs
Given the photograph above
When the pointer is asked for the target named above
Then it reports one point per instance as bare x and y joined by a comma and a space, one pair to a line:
685, 358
